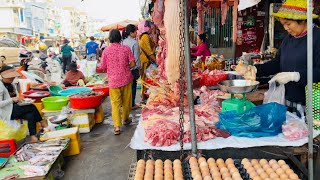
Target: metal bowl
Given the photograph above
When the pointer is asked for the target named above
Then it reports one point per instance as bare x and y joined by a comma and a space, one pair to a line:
238, 86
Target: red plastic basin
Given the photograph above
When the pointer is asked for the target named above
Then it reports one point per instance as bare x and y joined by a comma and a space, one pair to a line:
36, 95
100, 87
85, 102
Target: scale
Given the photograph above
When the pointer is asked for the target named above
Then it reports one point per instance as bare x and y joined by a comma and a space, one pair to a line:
59, 120
237, 87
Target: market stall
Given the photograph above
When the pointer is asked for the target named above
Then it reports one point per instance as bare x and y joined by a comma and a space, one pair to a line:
177, 117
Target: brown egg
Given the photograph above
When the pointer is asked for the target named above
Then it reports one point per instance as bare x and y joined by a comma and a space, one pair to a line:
201, 159
269, 171
266, 166
177, 161
246, 163
138, 177
285, 167
221, 166
254, 162
193, 166
257, 178
168, 171
229, 166
211, 160
178, 176
281, 162
167, 166
273, 176
207, 178
226, 175
279, 171
250, 170
212, 164
158, 171
193, 160
289, 171
168, 177
293, 176
195, 170
158, 161
197, 177
272, 161
267, 179
284, 176
235, 175
214, 168
257, 166
168, 161
178, 171
227, 178
213, 172
259, 171
229, 161
203, 164
148, 176
275, 166
158, 177
237, 178
216, 176
141, 161
253, 175
219, 161
223, 170
149, 167
233, 170
244, 160
159, 166
206, 173
263, 162
247, 166
176, 168
150, 161
264, 175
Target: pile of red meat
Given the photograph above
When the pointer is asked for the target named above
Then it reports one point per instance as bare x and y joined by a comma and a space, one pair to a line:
161, 123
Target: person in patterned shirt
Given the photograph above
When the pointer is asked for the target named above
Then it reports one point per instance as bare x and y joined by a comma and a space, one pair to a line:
117, 60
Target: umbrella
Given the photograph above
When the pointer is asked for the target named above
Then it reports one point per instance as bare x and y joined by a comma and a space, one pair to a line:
119, 25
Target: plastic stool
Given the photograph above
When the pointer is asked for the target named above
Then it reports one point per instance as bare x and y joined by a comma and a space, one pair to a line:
7, 147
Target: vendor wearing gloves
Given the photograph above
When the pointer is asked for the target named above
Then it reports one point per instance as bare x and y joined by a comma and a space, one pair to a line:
202, 48
290, 64
10, 110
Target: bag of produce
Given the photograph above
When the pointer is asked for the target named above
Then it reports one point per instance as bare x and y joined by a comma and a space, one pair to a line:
275, 94
295, 129
261, 121
12, 130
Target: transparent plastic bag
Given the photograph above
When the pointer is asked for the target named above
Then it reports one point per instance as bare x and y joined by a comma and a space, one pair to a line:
295, 129
275, 94
261, 121
12, 130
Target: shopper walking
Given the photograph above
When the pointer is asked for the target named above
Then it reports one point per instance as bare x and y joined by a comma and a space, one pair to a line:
92, 49
129, 38
66, 55
117, 59
147, 52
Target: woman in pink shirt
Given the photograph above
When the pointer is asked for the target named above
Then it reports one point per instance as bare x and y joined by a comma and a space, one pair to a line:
117, 60
202, 48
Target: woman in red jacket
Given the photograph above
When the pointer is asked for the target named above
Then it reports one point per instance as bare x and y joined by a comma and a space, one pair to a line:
202, 48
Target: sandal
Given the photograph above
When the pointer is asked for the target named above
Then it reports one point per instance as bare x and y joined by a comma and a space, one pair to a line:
127, 122
116, 131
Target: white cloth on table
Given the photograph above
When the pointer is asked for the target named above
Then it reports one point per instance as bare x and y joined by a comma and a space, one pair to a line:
138, 143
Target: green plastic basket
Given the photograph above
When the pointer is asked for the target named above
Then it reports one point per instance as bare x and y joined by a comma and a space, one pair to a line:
315, 103
55, 102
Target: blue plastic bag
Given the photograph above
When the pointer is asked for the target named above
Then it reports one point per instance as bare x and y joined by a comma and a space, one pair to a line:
261, 121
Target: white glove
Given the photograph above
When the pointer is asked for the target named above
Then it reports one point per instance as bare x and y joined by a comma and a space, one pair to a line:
285, 77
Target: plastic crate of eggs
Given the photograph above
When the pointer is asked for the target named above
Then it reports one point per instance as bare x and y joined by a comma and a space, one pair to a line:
212, 169
268, 170
159, 170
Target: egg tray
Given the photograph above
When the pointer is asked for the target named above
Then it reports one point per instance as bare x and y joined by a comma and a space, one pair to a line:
243, 172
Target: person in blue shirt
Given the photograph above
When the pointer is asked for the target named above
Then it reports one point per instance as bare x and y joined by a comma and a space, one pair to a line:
92, 49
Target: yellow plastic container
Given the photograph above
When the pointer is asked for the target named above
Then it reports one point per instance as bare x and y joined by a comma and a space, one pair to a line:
40, 107
72, 133
99, 115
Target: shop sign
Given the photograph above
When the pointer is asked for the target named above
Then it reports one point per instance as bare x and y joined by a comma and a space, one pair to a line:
23, 31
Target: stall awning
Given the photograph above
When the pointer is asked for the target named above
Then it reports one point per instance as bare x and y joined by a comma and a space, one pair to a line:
119, 25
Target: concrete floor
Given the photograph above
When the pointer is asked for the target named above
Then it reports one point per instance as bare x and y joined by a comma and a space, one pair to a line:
103, 155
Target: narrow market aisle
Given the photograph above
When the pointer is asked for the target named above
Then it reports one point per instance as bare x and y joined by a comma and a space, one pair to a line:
103, 155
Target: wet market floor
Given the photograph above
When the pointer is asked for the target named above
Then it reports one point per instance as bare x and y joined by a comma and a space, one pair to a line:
103, 155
